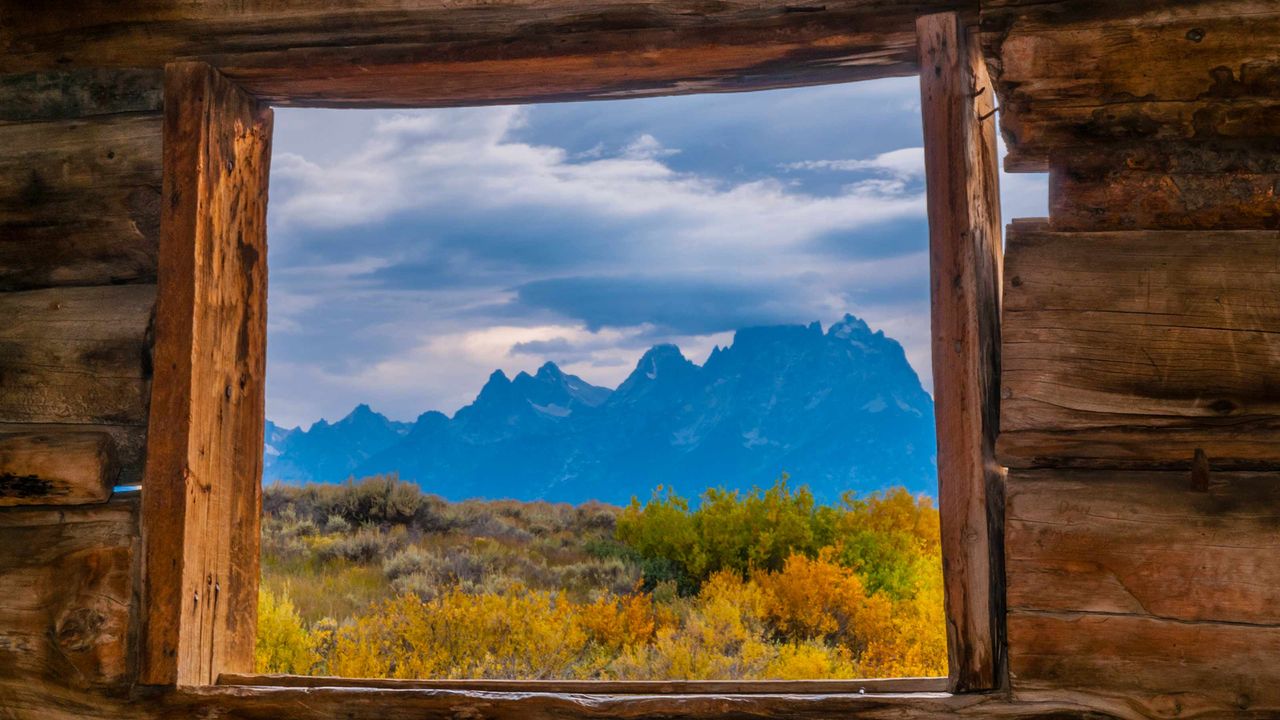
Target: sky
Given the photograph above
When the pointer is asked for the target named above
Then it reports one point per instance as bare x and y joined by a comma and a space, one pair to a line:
411, 253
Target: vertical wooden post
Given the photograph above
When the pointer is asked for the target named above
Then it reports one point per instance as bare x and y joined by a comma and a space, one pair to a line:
965, 257
202, 485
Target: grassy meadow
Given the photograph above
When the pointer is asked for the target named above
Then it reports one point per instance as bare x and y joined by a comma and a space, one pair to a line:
376, 579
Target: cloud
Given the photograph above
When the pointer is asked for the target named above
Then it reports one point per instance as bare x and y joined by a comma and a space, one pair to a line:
902, 164
414, 252
686, 306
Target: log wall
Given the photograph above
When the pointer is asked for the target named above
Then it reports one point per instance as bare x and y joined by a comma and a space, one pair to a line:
1139, 331
1141, 386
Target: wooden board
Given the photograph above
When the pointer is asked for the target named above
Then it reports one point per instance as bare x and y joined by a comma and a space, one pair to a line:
1170, 186
68, 580
56, 468
1073, 73
964, 258
1133, 349
204, 458
128, 443
610, 687
1143, 543
1160, 668
79, 92
79, 201
76, 355
433, 52
1132, 584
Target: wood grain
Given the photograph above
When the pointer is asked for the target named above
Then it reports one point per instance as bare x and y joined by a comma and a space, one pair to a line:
204, 458
609, 687
1133, 585
58, 468
76, 355
79, 92
1076, 73
434, 52
964, 259
79, 201
1144, 543
1169, 186
1160, 668
128, 442
1133, 349
68, 579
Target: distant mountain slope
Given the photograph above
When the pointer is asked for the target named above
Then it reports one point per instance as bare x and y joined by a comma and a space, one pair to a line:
840, 410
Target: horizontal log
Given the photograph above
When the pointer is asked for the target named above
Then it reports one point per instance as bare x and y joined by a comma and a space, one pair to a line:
79, 92
65, 468
68, 579
621, 687
128, 443
79, 202
1171, 186
433, 52
1143, 543
1070, 73
241, 703
1127, 349
76, 355
1158, 668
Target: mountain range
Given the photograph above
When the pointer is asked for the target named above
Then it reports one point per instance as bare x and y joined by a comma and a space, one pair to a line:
836, 410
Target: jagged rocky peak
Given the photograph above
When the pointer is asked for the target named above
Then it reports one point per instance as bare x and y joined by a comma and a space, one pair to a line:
839, 408
660, 363
662, 357
550, 371
850, 326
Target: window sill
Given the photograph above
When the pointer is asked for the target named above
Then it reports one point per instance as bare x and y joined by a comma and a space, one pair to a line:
268, 696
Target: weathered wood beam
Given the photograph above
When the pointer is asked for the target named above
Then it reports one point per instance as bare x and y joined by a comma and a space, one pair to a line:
79, 201
1212, 185
1074, 73
68, 595
79, 92
964, 254
59, 468
608, 687
204, 458
128, 442
1135, 349
1143, 543
433, 52
76, 355
1162, 668
1133, 585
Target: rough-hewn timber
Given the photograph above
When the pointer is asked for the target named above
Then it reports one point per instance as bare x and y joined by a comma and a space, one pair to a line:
1074, 73
1169, 186
61, 468
204, 471
79, 201
964, 258
76, 355
447, 53
1134, 583
79, 92
1133, 349
65, 610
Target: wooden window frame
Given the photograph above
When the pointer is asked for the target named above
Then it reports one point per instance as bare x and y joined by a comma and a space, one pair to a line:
202, 485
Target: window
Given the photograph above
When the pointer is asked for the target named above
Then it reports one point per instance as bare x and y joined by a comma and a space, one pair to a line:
202, 493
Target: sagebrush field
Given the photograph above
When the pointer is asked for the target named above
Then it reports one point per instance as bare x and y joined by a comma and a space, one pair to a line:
377, 579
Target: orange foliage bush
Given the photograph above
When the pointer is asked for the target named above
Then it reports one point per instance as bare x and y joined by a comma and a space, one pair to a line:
756, 586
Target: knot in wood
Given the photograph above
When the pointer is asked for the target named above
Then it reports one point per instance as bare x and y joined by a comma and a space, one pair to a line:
79, 630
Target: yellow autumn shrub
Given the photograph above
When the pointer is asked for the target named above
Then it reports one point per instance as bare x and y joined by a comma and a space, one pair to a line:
283, 644
755, 586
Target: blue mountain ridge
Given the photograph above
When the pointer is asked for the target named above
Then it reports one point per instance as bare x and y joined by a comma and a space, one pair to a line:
840, 410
